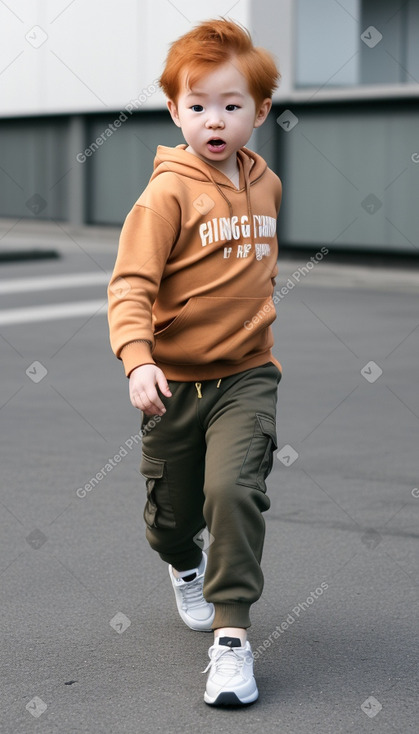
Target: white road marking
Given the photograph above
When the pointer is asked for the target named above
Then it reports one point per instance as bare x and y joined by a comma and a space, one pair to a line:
53, 282
52, 312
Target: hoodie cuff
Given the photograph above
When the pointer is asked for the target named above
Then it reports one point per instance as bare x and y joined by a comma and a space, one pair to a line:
134, 354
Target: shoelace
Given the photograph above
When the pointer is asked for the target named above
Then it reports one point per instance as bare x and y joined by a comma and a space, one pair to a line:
192, 593
226, 661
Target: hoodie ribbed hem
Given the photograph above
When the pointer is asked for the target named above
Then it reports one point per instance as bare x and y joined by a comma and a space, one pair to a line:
215, 370
235, 614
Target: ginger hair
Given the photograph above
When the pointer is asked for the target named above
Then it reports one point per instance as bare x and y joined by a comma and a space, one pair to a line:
211, 44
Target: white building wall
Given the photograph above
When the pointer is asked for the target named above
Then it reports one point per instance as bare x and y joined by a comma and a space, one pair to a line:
63, 56
349, 162
271, 24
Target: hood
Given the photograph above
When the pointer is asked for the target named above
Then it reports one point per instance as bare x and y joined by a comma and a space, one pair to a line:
177, 160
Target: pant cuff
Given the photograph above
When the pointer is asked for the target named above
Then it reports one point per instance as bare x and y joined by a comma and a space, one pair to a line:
231, 615
183, 561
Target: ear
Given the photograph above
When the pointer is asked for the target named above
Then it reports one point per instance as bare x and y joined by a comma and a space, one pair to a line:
173, 112
263, 112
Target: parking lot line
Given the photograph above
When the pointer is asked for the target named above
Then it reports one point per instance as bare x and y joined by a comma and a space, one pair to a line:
52, 312
53, 282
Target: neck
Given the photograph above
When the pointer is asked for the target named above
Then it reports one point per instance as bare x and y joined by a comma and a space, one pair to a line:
229, 167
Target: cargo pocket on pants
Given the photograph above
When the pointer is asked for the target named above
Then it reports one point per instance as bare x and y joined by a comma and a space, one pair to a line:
258, 461
158, 511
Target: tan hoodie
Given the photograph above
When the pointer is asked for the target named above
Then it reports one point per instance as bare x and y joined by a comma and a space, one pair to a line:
195, 269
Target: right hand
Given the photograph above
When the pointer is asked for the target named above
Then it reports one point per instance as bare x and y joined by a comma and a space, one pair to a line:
143, 383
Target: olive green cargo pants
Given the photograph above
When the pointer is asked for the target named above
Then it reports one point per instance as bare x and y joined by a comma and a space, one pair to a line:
205, 464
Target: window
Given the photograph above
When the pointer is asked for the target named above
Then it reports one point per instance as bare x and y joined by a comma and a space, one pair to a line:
350, 42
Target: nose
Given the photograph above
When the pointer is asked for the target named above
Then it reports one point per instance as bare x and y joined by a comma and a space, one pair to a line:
214, 121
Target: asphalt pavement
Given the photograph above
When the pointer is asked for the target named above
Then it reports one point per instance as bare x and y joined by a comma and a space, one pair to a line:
91, 637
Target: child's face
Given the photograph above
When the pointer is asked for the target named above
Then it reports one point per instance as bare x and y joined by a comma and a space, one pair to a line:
218, 115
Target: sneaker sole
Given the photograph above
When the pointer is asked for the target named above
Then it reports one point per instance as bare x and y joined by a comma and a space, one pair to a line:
228, 698
192, 625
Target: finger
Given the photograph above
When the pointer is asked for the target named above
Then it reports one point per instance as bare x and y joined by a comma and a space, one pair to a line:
147, 410
136, 402
163, 385
139, 400
152, 403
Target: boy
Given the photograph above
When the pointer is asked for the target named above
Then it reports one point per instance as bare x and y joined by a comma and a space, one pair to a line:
190, 308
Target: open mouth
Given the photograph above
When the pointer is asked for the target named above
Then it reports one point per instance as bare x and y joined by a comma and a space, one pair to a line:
216, 145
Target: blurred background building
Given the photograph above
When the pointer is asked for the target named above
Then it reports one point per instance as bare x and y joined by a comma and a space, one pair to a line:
81, 114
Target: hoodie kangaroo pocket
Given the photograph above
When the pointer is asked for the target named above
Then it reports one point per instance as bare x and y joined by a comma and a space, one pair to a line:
212, 328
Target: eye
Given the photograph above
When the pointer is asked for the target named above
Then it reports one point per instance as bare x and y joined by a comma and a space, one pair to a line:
197, 107
231, 107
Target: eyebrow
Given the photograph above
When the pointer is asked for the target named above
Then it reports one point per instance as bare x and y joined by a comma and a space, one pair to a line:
232, 93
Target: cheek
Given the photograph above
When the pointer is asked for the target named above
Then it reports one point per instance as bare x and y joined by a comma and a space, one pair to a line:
244, 121
194, 125
243, 126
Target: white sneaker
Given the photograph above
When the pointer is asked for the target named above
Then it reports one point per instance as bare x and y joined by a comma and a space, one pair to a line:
197, 613
230, 680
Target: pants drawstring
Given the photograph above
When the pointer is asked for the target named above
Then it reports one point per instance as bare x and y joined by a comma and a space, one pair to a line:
198, 386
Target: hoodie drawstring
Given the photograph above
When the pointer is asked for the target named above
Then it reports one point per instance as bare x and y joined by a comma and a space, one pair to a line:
249, 209
226, 199
248, 201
